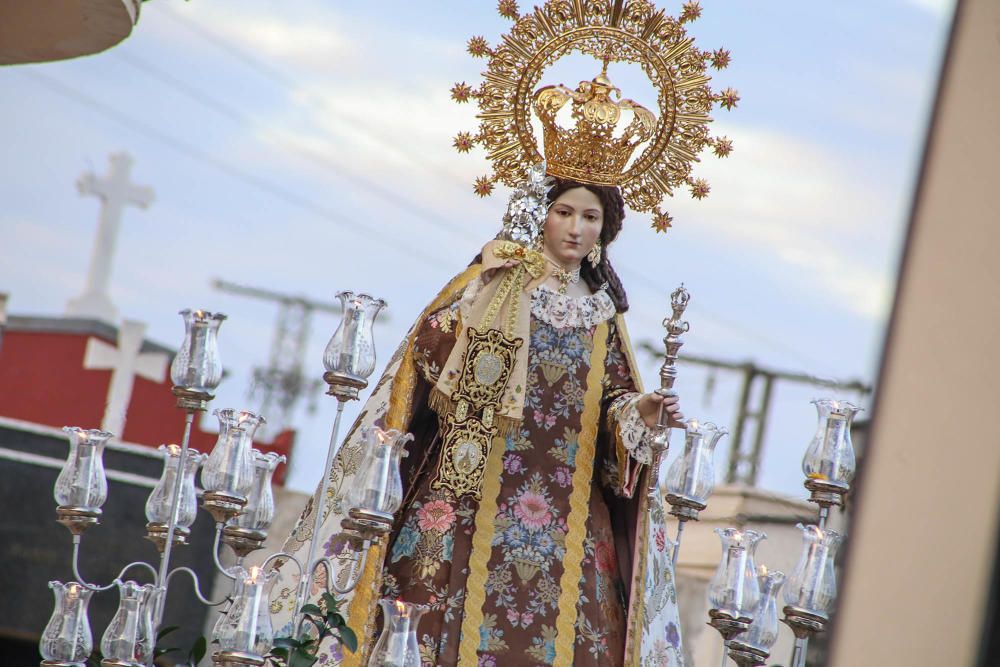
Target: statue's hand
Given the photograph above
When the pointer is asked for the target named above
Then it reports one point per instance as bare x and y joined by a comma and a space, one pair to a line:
649, 409
490, 273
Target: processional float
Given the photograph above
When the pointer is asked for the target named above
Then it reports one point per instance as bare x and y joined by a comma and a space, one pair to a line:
236, 478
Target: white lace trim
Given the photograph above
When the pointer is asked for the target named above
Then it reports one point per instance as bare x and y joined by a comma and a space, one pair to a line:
562, 310
631, 427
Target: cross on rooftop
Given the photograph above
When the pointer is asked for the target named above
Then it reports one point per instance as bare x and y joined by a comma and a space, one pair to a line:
126, 361
115, 191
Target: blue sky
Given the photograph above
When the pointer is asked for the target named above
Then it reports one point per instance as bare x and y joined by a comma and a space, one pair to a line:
306, 147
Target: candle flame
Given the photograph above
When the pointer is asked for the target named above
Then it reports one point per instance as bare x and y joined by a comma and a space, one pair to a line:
254, 573
762, 570
693, 424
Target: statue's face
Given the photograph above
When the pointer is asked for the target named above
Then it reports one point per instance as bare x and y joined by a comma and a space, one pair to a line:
573, 226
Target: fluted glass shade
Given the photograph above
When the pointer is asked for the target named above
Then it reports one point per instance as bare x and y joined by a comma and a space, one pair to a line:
397, 645
351, 350
67, 637
160, 499
692, 474
734, 587
378, 488
830, 455
197, 366
813, 584
246, 625
129, 637
82, 482
259, 510
229, 468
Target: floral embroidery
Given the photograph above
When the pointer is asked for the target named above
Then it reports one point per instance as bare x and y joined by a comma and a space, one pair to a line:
428, 558
445, 319
436, 515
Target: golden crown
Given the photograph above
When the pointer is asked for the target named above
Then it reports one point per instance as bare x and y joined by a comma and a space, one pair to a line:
594, 151
591, 152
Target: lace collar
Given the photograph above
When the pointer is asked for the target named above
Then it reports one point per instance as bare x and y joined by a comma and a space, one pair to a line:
561, 310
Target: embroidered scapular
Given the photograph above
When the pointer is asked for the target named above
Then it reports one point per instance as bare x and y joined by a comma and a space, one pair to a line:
468, 432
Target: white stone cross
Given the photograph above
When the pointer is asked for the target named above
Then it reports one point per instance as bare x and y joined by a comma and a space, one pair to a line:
125, 361
115, 191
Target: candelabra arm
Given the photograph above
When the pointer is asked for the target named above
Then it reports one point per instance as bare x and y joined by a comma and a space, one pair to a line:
677, 544
94, 587
286, 556
195, 584
357, 566
172, 524
319, 505
216, 547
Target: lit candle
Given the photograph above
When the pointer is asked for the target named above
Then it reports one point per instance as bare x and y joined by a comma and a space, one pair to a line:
396, 650
832, 446
816, 561
254, 608
694, 465
735, 560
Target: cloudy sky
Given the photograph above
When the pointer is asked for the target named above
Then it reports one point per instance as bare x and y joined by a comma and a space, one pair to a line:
305, 147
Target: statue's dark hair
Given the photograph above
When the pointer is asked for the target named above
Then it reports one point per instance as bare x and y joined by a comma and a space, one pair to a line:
614, 213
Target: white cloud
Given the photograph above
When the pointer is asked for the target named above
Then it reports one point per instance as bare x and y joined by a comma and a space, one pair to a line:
295, 38
937, 7
808, 213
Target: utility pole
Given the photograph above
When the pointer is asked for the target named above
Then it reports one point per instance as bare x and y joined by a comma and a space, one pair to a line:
746, 452
281, 384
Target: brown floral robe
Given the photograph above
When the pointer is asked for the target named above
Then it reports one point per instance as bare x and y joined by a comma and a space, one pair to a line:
427, 560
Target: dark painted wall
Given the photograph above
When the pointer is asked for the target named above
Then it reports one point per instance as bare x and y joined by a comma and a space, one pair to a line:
34, 549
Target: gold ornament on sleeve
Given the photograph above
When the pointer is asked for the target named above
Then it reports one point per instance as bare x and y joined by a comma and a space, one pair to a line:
613, 140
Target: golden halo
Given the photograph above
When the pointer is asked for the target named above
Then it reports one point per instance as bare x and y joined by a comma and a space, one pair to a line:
616, 31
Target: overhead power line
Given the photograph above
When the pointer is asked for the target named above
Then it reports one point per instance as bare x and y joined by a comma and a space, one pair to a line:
356, 225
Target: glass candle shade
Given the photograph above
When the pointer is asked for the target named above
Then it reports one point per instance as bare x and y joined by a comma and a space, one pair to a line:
229, 469
161, 498
397, 645
82, 482
692, 475
196, 367
378, 488
259, 510
351, 350
813, 584
129, 637
763, 632
67, 636
734, 588
830, 456
246, 625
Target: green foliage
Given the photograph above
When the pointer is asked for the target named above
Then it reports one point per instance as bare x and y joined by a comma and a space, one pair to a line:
302, 651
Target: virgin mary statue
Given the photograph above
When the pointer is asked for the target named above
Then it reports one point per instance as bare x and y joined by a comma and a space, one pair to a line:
529, 528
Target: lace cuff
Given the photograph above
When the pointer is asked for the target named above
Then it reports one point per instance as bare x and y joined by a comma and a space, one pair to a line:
629, 428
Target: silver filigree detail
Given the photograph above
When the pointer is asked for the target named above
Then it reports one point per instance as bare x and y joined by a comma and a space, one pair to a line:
528, 208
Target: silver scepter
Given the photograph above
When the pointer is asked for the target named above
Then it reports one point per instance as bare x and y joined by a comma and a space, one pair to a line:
659, 443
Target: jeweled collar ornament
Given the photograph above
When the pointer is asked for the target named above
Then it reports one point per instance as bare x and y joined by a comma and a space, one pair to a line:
565, 277
596, 149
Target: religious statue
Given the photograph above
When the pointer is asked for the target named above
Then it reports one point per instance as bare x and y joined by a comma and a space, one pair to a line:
527, 528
